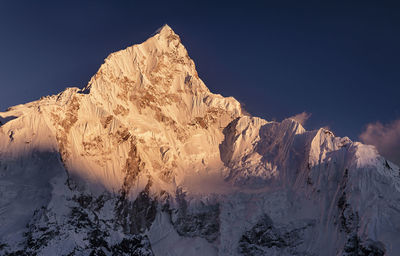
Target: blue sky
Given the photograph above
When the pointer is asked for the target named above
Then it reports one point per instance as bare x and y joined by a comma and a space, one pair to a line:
339, 61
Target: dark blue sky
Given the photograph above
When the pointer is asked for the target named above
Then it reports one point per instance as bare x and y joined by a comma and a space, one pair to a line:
338, 60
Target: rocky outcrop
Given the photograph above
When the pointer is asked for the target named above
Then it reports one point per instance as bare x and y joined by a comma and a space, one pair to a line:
266, 239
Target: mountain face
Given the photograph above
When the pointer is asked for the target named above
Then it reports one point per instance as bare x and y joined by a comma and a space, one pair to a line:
145, 160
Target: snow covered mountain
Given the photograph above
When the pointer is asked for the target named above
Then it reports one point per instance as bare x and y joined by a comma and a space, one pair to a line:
145, 160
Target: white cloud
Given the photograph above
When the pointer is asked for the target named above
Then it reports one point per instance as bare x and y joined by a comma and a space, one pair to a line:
385, 137
301, 118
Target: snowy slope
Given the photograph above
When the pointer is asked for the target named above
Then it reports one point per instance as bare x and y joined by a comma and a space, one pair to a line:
145, 160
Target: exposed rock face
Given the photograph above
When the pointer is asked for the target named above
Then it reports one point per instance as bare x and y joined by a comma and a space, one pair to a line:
266, 239
203, 222
145, 160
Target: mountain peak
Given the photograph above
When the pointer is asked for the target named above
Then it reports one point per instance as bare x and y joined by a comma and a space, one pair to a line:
161, 62
165, 30
166, 34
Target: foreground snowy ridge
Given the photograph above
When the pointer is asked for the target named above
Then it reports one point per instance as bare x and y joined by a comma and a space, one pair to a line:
145, 160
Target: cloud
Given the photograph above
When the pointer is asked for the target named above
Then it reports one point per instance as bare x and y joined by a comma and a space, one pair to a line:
385, 137
301, 118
